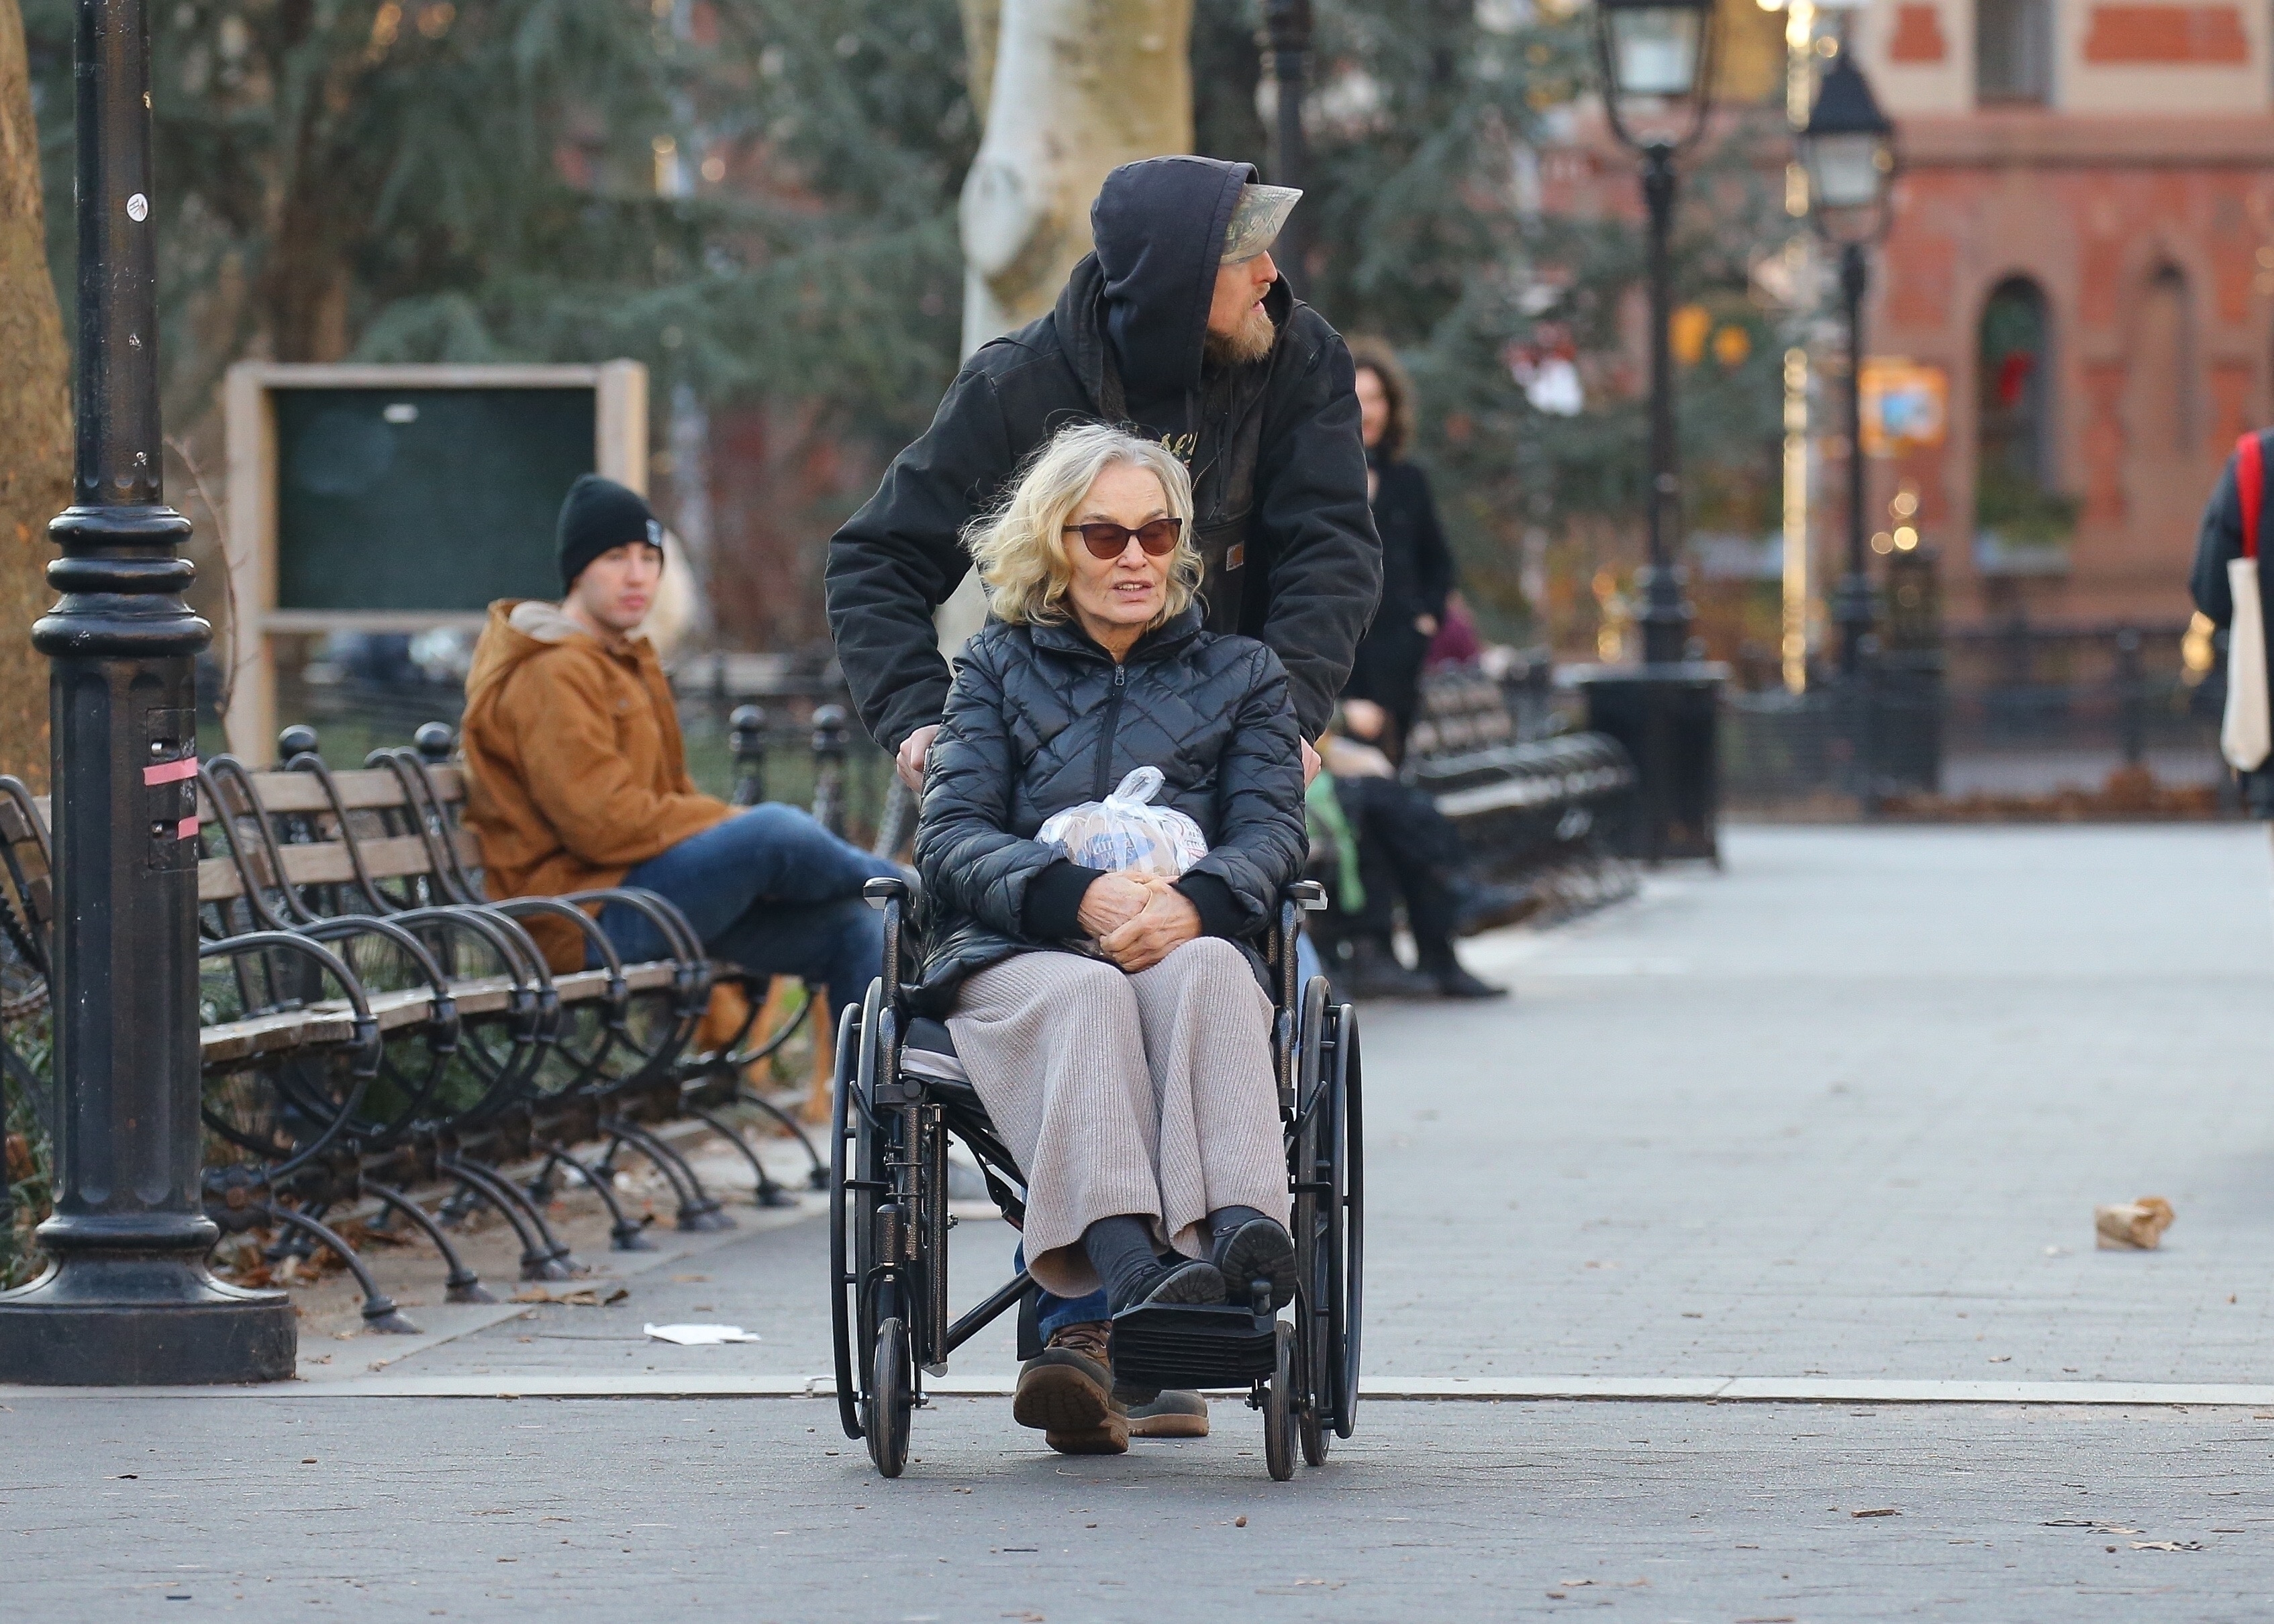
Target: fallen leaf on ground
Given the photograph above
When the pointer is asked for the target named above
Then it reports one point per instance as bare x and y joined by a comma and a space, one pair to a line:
2167, 1545
582, 1297
2132, 1226
1884, 1511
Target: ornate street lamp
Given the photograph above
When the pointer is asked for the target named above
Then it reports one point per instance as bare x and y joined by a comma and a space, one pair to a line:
1656, 61
1655, 57
1848, 147
129, 1300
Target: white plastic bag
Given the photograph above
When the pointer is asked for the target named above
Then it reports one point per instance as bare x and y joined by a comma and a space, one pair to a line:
1126, 832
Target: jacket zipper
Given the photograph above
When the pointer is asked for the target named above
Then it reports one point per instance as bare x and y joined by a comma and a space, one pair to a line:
1105, 738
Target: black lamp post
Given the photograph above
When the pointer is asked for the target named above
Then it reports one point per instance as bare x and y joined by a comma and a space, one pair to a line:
1655, 57
129, 1300
1848, 150
1658, 52
1288, 23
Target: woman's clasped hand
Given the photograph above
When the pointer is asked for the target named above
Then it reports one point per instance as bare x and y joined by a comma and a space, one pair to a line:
1137, 919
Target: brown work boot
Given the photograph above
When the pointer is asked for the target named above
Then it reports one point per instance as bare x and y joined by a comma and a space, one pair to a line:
1066, 1392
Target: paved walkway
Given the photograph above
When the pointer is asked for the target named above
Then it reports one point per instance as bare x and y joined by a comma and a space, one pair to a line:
1838, 1115
682, 1510
1842, 1111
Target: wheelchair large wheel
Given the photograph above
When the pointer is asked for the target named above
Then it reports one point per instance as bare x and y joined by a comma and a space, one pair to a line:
853, 1178
1329, 1207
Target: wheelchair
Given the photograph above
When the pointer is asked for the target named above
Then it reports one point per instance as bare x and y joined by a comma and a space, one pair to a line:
902, 1094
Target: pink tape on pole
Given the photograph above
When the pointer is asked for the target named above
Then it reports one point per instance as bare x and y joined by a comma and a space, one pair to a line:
171, 772
186, 830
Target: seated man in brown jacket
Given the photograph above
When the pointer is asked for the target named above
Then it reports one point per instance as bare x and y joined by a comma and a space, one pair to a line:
577, 778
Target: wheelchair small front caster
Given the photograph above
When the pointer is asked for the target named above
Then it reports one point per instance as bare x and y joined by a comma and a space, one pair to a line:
1279, 1412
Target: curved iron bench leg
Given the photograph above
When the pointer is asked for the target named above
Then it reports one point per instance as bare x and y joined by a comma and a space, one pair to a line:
543, 1256
464, 1285
625, 1234
379, 1313
769, 1193
699, 1209
819, 1178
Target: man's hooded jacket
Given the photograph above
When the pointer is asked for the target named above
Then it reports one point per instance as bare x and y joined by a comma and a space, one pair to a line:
1278, 469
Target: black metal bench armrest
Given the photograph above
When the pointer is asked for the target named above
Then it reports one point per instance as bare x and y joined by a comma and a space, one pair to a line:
684, 947
596, 940
365, 1044
442, 1020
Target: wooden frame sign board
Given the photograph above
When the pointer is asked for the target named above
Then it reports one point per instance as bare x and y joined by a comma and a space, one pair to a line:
403, 499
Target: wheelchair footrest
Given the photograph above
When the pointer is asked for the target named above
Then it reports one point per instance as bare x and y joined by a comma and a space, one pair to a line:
1188, 1346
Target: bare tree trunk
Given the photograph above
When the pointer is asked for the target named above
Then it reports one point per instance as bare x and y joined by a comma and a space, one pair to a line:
35, 429
1074, 88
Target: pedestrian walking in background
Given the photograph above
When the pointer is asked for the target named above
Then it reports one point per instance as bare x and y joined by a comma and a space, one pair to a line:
1384, 690
2227, 553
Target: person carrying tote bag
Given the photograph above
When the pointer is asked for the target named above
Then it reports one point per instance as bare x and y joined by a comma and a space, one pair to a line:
2230, 589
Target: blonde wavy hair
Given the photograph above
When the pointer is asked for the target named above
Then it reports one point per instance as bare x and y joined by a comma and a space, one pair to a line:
1020, 546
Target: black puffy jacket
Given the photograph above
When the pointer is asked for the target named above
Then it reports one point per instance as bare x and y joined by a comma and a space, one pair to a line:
1041, 718
1278, 471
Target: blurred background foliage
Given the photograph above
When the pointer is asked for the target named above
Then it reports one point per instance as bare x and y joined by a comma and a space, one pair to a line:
758, 198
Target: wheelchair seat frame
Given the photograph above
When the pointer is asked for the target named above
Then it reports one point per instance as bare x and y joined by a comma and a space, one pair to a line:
896, 1105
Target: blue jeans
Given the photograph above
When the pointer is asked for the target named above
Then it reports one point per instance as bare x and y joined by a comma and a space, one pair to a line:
773, 891
1053, 1314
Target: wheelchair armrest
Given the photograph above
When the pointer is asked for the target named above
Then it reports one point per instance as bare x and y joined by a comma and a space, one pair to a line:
1308, 895
890, 888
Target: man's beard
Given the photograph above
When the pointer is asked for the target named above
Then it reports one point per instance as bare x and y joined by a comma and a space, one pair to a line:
1250, 341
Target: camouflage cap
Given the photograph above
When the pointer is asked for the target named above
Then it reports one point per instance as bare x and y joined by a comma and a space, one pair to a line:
1257, 220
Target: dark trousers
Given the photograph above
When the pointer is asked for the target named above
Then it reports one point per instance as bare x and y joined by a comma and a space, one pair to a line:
773, 891
1406, 848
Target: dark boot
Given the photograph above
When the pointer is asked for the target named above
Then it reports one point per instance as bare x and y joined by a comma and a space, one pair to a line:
1066, 1392
1372, 971
1452, 982
1479, 906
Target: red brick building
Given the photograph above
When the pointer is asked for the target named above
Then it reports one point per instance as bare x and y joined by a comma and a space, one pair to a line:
2083, 244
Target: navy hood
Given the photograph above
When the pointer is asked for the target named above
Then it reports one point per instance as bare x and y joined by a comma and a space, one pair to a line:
1159, 226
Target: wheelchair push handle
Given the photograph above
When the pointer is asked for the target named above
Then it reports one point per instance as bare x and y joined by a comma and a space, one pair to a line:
1308, 895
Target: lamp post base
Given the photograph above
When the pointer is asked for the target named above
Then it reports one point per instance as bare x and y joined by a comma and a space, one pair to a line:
1665, 716
143, 1320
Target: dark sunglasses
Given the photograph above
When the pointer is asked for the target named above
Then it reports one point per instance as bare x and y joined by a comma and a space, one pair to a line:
1158, 537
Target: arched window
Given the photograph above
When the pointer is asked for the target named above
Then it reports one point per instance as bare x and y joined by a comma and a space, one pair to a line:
2013, 493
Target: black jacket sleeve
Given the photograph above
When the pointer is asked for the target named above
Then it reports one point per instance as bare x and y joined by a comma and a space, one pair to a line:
1435, 572
1260, 838
899, 558
969, 860
2217, 544
1316, 528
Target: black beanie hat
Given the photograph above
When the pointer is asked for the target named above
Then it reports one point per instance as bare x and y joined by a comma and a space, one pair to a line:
599, 514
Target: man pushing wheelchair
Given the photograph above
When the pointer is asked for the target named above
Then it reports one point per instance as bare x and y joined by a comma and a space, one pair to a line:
1177, 581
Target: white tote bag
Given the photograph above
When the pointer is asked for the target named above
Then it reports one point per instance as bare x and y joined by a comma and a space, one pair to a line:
2246, 734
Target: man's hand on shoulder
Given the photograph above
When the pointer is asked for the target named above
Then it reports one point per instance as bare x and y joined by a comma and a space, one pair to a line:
910, 764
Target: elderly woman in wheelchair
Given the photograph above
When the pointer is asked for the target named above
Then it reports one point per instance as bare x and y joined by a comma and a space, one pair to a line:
1116, 1025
